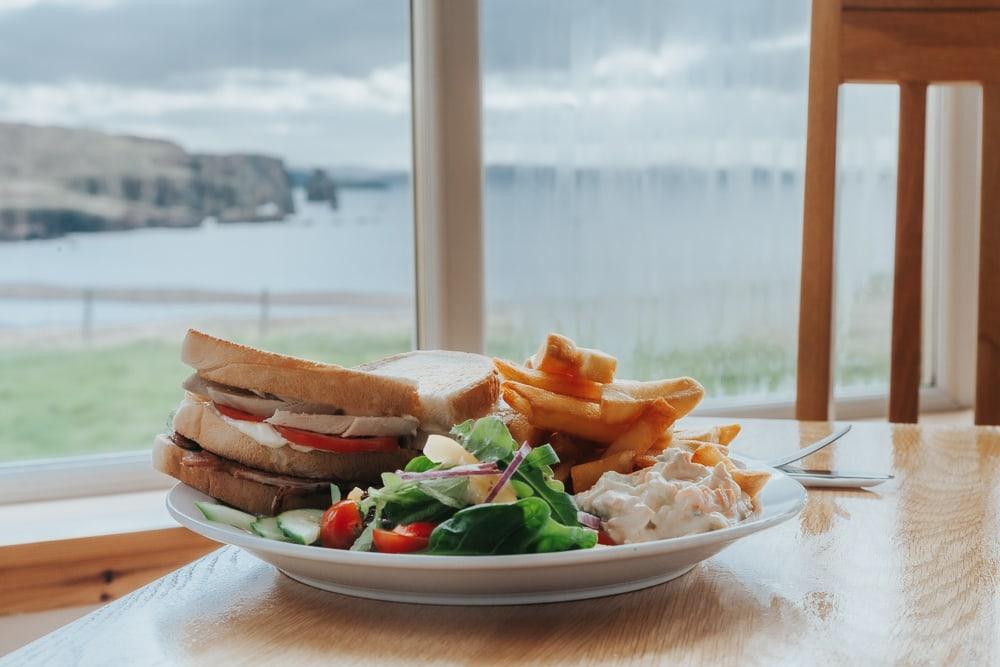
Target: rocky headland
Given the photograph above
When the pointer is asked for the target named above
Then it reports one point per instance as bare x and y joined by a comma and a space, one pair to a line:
54, 181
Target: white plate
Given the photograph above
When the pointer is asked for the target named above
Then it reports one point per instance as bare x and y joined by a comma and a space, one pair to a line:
494, 580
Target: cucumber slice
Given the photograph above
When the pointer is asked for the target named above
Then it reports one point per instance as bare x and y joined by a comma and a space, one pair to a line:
267, 527
300, 526
227, 515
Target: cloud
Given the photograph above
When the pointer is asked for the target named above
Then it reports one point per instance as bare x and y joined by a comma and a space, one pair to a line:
384, 90
635, 64
20, 5
158, 42
792, 41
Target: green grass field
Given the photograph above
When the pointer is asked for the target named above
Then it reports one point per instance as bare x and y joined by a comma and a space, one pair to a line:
61, 401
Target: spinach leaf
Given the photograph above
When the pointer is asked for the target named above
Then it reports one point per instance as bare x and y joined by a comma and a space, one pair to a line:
521, 489
487, 439
420, 464
541, 456
563, 506
522, 527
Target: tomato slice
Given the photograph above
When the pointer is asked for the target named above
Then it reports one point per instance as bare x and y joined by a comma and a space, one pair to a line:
332, 443
604, 538
403, 539
233, 413
341, 525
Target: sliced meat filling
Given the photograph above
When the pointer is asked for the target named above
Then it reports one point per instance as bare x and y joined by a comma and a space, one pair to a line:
307, 416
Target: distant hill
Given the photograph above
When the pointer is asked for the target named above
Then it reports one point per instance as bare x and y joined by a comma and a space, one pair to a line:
57, 180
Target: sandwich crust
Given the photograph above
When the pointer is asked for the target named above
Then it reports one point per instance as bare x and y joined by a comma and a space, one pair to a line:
438, 387
235, 485
196, 421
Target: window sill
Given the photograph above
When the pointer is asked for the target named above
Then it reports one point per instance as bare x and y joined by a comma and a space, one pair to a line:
82, 551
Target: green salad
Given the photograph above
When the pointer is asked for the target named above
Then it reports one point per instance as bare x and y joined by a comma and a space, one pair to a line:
474, 493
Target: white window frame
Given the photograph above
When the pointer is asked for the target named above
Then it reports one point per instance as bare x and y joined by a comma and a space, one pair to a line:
449, 253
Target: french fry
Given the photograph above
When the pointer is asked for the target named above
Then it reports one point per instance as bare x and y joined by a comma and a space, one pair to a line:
567, 385
644, 461
710, 454
574, 450
728, 433
665, 440
751, 481
689, 445
559, 354
596, 365
645, 430
585, 475
683, 393
561, 471
720, 435
565, 414
520, 428
617, 407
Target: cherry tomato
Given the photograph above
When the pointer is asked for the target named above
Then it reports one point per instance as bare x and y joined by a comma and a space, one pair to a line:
403, 539
421, 529
332, 443
233, 413
604, 538
341, 525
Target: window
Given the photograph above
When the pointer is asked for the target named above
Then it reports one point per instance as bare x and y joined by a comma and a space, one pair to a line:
644, 183
237, 166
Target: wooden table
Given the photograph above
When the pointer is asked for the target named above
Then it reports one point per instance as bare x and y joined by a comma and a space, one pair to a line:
908, 572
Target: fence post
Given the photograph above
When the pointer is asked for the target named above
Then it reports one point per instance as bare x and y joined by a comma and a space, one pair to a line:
88, 314
265, 308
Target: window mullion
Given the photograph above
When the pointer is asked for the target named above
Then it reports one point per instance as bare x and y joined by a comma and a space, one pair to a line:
447, 174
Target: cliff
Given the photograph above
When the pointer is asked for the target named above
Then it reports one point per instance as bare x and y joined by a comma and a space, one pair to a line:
320, 187
56, 180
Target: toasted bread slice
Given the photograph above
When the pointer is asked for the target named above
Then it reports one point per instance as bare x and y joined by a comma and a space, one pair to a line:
452, 386
437, 387
354, 391
237, 485
196, 420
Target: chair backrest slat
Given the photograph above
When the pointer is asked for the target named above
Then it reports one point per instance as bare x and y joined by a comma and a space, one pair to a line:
988, 348
904, 385
816, 292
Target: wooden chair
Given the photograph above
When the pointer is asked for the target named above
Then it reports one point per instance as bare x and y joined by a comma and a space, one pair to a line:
912, 43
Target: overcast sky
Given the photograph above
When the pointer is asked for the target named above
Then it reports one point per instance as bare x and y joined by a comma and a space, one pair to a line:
327, 81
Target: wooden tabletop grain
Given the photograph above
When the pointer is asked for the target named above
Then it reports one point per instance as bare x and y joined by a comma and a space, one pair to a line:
908, 572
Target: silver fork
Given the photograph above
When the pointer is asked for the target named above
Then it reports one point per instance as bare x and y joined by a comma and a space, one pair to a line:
822, 478
811, 449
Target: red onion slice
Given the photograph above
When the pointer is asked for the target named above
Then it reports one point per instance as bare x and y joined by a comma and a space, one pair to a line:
457, 471
588, 520
509, 471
